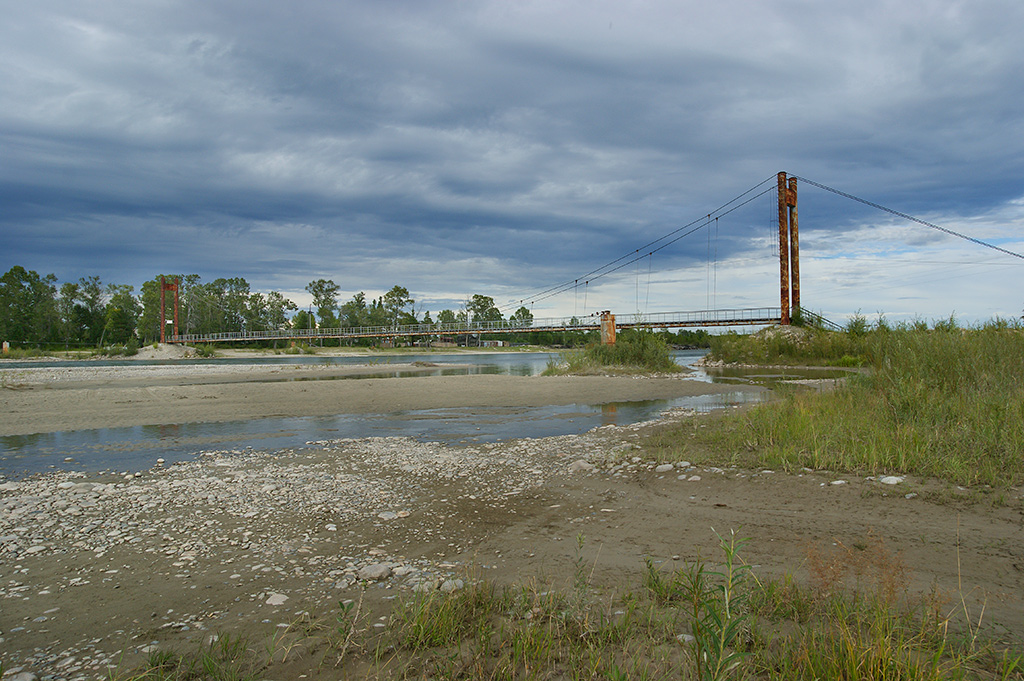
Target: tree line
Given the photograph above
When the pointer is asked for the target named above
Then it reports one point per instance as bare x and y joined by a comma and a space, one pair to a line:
36, 310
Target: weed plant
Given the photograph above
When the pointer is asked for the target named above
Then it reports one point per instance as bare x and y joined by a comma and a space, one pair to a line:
854, 620
945, 402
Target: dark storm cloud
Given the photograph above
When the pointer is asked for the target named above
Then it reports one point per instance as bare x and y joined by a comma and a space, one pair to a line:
287, 141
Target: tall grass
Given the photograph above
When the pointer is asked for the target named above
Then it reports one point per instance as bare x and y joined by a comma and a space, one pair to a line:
633, 352
944, 401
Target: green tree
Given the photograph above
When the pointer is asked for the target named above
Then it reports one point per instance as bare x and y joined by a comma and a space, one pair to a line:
92, 310
482, 309
523, 316
28, 306
446, 317
122, 314
278, 308
395, 302
302, 320
325, 300
70, 330
354, 312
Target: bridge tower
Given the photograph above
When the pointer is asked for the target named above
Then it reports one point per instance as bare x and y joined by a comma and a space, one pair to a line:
789, 248
164, 287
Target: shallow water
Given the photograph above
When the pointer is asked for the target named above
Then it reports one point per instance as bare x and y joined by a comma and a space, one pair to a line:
138, 447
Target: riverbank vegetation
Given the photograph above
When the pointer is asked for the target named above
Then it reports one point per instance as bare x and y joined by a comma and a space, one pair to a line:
942, 401
691, 620
634, 352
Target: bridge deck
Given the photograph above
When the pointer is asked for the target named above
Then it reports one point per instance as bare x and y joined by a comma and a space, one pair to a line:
697, 318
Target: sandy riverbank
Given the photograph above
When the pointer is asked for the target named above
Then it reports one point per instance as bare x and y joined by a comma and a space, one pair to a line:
40, 399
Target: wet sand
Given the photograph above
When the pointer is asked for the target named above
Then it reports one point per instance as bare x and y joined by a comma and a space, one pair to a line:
42, 400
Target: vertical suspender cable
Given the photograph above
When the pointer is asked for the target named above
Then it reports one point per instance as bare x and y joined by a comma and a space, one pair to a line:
715, 299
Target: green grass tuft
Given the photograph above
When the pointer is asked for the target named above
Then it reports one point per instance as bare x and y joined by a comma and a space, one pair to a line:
634, 352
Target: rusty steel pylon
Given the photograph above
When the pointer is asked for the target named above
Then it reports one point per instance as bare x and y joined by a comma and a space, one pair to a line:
164, 287
789, 248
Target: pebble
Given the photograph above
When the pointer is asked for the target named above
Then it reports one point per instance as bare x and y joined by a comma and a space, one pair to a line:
276, 599
664, 468
451, 585
375, 572
22, 676
581, 466
891, 479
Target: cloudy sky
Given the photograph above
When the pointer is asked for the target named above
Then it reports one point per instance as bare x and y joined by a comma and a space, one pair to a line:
502, 147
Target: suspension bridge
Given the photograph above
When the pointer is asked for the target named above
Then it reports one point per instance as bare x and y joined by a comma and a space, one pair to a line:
606, 322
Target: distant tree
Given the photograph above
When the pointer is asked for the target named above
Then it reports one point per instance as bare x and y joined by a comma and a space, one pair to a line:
92, 310
325, 300
28, 306
353, 313
122, 314
482, 309
395, 302
426, 318
523, 316
70, 331
278, 308
255, 312
376, 315
302, 320
446, 317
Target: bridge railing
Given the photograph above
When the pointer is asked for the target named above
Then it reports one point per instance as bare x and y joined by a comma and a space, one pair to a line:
737, 316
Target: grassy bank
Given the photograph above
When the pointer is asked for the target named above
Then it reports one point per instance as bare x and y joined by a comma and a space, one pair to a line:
943, 401
855, 620
635, 352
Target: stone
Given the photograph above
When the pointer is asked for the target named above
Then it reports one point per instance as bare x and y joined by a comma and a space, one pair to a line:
581, 466
664, 468
374, 572
425, 586
685, 638
693, 478
22, 676
387, 515
891, 479
838, 482
451, 585
276, 599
